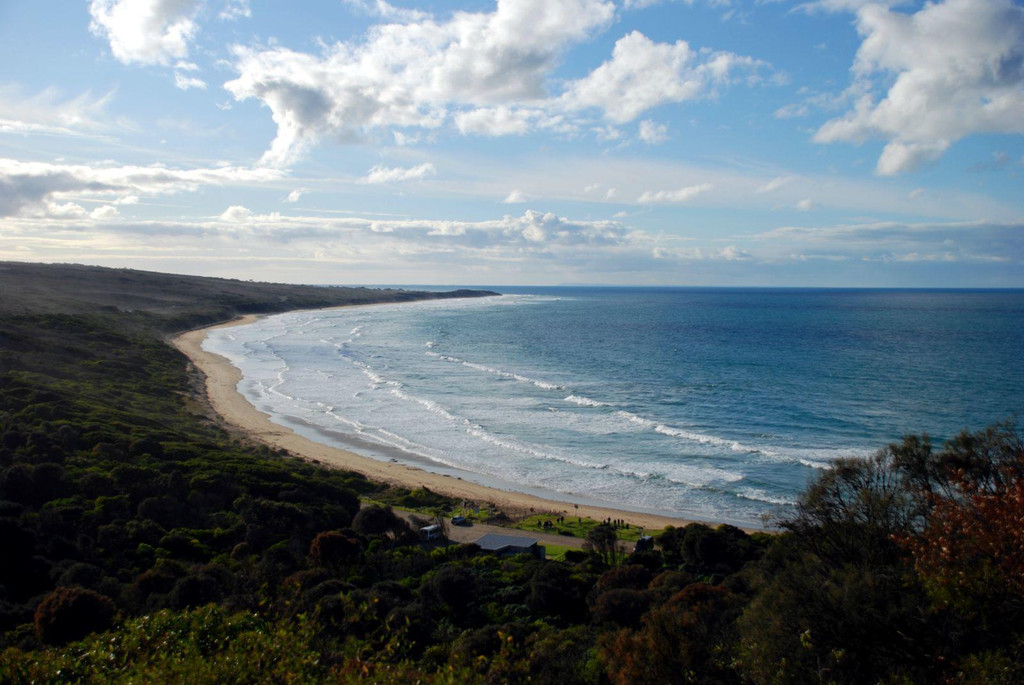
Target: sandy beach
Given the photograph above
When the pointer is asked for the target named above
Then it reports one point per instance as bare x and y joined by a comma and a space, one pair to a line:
222, 379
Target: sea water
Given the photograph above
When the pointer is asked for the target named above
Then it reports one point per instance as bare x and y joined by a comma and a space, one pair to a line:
714, 404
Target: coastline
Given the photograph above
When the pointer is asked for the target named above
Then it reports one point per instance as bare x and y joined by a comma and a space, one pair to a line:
221, 383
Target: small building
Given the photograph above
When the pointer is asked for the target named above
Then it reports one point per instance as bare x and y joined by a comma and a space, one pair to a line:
507, 545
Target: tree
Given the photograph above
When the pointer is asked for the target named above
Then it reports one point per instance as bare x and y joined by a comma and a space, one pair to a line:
839, 601
604, 541
856, 509
904, 563
71, 613
970, 553
681, 641
382, 522
334, 550
705, 551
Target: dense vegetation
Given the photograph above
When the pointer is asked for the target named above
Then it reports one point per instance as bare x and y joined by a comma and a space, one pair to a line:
142, 543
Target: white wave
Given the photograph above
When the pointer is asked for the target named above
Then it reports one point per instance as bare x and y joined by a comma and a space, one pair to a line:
354, 425
691, 436
429, 405
638, 420
390, 439
376, 379
759, 495
688, 476
815, 464
706, 439
544, 385
524, 448
823, 458
585, 401
373, 376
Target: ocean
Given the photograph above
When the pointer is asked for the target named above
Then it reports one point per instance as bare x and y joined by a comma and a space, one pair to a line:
713, 404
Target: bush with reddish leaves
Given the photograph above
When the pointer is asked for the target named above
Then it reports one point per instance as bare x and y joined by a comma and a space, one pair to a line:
334, 551
70, 613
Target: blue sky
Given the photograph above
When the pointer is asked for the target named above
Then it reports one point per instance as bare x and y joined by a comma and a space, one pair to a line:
642, 142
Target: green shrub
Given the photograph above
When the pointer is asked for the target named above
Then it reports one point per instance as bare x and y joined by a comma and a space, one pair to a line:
205, 645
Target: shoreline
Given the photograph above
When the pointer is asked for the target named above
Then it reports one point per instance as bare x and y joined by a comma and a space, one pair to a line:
221, 381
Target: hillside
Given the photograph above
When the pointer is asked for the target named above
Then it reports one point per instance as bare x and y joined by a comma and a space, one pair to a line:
172, 302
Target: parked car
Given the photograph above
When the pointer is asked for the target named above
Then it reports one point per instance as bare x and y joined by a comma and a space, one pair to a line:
460, 521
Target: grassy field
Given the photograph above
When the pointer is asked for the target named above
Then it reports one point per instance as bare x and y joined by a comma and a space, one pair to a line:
573, 526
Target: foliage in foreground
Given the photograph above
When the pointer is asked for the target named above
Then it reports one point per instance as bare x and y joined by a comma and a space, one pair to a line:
203, 645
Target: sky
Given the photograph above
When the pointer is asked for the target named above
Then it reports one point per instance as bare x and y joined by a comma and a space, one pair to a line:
837, 143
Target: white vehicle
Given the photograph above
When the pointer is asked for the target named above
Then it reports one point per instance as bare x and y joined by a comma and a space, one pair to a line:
432, 532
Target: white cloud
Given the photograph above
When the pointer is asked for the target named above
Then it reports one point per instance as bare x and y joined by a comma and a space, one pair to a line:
552, 230
237, 214
488, 73
67, 210
822, 101
652, 133
316, 245
104, 213
383, 174
601, 189
146, 31
515, 197
673, 196
519, 248
643, 4
806, 205
607, 134
699, 254
898, 157
234, 10
410, 74
642, 74
183, 82
964, 242
845, 5
952, 69
294, 196
29, 187
792, 111
494, 121
733, 254
385, 10
775, 184
558, 176
403, 139
47, 112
